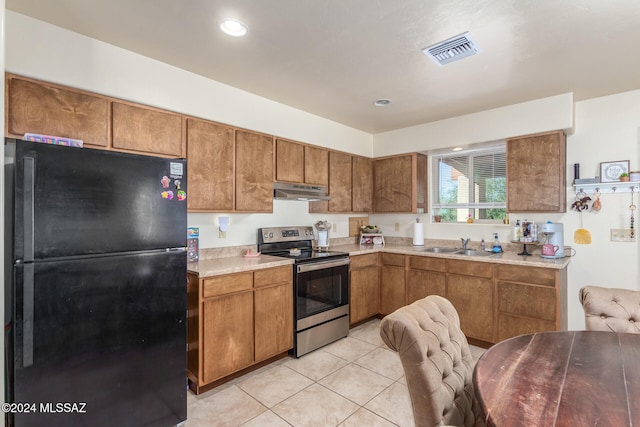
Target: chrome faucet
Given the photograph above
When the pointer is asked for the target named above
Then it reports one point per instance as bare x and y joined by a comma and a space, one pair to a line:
465, 242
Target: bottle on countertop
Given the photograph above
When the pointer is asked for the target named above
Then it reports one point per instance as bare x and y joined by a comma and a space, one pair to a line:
482, 247
517, 231
497, 247
534, 231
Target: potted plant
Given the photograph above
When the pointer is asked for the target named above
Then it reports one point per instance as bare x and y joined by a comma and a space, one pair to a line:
624, 177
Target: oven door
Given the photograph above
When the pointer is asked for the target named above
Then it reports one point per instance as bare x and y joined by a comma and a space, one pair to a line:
321, 287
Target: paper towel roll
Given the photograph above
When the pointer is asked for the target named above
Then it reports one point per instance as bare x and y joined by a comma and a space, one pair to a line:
418, 234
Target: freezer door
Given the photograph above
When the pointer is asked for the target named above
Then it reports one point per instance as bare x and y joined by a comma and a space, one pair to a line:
77, 201
107, 334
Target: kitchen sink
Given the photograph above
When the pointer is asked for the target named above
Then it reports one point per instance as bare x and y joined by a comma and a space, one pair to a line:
471, 252
437, 250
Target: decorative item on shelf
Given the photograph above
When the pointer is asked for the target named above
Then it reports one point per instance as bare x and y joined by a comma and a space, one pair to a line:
597, 204
634, 176
370, 229
470, 219
524, 246
632, 208
624, 177
611, 171
371, 239
581, 236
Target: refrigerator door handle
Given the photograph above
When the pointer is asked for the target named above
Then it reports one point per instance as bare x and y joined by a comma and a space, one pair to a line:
27, 316
29, 207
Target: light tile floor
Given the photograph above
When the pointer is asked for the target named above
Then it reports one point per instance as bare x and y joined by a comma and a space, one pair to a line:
356, 381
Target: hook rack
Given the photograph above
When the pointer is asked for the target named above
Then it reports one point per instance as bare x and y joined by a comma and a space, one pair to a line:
608, 187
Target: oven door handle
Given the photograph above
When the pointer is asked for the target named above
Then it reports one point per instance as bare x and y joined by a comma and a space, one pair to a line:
303, 268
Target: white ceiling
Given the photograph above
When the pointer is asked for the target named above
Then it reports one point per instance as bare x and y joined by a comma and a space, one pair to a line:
333, 58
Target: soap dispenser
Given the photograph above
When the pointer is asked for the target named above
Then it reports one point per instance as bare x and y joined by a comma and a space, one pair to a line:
497, 247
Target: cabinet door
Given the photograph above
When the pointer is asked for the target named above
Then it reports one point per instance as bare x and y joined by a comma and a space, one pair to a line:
362, 189
316, 165
289, 161
340, 182
392, 285
146, 129
254, 172
473, 299
36, 107
422, 283
392, 185
227, 335
210, 166
365, 294
274, 320
536, 173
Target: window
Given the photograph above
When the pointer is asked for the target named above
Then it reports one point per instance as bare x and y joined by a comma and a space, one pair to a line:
470, 184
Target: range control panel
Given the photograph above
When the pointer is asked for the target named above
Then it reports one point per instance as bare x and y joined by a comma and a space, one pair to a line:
285, 234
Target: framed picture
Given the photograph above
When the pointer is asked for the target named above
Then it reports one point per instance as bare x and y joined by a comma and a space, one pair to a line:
610, 171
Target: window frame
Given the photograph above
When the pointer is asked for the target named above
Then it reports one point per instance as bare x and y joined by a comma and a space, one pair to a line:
474, 206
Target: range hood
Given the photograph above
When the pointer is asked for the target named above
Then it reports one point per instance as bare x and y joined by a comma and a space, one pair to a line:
311, 193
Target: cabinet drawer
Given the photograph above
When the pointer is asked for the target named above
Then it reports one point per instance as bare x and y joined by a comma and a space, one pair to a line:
272, 276
470, 268
393, 259
362, 261
524, 300
537, 276
512, 326
428, 263
227, 283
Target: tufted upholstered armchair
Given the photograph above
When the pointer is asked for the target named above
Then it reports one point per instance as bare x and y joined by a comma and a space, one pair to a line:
611, 309
437, 362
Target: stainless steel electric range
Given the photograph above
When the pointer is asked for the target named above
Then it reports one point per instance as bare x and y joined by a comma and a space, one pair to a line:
320, 286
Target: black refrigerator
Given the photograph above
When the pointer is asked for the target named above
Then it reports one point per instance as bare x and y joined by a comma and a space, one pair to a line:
95, 287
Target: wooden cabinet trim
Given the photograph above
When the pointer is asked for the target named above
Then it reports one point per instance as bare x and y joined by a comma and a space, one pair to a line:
428, 263
363, 261
272, 276
470, 268
392, 259
228, 283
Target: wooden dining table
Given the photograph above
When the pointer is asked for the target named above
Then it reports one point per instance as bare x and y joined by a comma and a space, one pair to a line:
568, 378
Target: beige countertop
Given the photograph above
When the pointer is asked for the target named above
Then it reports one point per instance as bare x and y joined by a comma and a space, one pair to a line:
235, 264
508, 257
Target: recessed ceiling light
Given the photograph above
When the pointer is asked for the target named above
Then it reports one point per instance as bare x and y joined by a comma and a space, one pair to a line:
456, 149
233, 27
381, 102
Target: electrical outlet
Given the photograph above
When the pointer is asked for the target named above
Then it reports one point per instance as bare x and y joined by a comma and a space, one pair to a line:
622, 235
397, 226
222, 234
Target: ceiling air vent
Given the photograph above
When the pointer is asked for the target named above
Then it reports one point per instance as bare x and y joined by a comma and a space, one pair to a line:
452, 49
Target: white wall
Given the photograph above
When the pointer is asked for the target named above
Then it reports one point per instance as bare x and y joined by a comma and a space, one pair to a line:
540, 115
607, 129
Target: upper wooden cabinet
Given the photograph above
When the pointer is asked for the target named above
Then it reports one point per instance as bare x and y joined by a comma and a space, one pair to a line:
536, 177
316, 165
400, 183
301, 163
289, 161
361, 184
254, 172
146, 129
210, 166
49, 109
340, 181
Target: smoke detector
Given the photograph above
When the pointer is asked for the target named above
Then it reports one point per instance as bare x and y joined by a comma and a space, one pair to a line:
453, 49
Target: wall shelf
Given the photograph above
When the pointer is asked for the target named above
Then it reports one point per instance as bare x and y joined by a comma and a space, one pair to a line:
608, 187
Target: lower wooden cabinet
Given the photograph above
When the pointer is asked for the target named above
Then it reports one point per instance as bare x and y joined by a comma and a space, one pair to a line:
236, 321
530, 300
227, 335
426, 276
392, 282
364, 300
